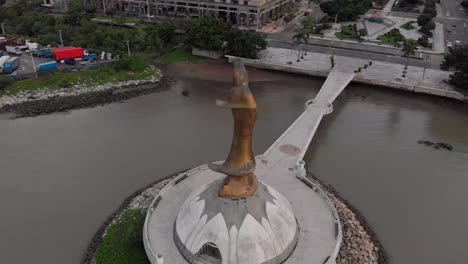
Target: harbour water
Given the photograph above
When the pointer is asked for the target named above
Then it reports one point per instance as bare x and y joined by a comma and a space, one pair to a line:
63, 174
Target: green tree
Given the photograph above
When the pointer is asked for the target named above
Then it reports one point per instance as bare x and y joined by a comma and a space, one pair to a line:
245, 43
208, 34
347, 10
457, 59
423, 19
75, 13
409, 47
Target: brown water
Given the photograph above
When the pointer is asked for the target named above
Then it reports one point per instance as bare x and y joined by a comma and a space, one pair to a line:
63, 174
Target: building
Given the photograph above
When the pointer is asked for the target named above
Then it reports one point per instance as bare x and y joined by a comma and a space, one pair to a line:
245, 13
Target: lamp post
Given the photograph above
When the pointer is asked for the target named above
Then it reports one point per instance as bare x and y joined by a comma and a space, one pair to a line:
149, 14
34, 65
61, 39
332, 58
425, 66
128, 47
202, 10
333, 36
258, 18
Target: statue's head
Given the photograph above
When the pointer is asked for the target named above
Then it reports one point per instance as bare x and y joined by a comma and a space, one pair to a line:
240, 95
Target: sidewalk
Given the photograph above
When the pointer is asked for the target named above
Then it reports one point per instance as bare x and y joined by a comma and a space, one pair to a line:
380, 73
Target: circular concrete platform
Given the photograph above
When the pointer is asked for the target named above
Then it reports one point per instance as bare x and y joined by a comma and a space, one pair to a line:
319, 227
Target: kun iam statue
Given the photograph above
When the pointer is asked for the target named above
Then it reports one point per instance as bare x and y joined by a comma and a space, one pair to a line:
239, 166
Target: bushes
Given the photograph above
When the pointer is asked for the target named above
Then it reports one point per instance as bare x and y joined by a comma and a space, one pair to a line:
424, 41
425, 19
134, 63
427, 28
392, 37
123, 242
408, 25
348, 31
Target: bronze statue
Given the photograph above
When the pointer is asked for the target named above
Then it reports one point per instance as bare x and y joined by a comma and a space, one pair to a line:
239, 166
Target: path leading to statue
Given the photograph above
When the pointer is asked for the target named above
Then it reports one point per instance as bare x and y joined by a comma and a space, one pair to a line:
291, 146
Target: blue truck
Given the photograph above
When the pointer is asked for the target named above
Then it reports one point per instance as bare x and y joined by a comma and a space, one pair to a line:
47, 66
44, 53
90, 57
11, 65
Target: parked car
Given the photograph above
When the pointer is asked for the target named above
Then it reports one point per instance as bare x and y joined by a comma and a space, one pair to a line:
69, 61
449, 44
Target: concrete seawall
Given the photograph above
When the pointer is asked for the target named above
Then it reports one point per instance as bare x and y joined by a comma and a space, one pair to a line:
358, 78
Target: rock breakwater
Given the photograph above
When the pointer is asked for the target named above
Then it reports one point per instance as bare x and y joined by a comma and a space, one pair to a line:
359, 244
43, 101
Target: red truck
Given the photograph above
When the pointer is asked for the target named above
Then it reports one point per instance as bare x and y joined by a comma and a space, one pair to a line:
67, 53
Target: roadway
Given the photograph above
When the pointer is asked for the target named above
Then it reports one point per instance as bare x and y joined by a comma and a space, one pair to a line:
434, 62
455, 20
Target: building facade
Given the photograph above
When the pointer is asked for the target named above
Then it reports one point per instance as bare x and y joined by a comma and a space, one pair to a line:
245, 13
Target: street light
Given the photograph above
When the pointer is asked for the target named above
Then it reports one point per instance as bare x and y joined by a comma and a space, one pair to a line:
128, 47
34, 65
425, 66
332, 57
61, 39
149, 14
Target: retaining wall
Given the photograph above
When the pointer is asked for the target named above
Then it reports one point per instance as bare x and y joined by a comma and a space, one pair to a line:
359, 79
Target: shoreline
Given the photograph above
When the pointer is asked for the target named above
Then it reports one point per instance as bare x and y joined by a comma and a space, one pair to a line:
337, 199
323, 71
359, 242
64, 100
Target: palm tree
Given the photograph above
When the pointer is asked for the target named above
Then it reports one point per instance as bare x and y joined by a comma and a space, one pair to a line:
409, 47
302, 34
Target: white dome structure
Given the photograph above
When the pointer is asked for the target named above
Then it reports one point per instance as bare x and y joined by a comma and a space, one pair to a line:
260, 229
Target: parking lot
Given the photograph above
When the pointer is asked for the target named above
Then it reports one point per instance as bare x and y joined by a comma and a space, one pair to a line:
26, 66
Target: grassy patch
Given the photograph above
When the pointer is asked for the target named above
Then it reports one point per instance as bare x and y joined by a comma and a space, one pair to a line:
408, 25
179, 55
90, 77
347, 32
392, 37
123, 243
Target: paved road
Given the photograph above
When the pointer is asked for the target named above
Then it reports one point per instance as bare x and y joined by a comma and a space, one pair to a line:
455, 20
433, 64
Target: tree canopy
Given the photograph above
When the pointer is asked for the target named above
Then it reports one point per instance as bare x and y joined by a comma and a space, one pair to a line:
457, 58
208, 34
409, 47
79, 30
347, 10
245, 43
